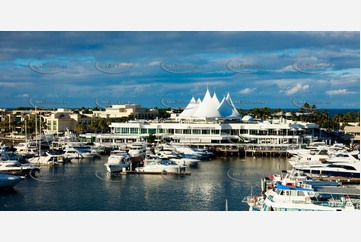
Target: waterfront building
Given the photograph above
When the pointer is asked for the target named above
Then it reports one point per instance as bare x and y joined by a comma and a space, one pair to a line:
209, 122
126, 110
62, 119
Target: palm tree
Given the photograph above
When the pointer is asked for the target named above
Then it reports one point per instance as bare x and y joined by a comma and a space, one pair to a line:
80, 127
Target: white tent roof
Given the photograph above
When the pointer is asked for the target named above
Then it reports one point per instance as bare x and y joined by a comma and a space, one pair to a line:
208, 108
227, 108
190, 109
215, 100
247, 118
199, 101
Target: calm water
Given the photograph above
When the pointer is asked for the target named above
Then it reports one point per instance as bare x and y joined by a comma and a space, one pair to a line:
86, 186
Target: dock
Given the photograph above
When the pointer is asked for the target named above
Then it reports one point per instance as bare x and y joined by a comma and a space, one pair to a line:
341, 180
242, 149
183, 173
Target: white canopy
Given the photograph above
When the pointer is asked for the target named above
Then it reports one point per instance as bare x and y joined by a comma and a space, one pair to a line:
208, 108
227, 108
190, 109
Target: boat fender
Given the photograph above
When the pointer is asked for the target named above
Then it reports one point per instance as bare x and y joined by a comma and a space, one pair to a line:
307, 199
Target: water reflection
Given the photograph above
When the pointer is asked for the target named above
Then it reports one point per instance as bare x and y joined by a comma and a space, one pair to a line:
85, 185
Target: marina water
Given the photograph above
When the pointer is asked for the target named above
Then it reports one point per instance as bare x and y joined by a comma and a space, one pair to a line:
84, 185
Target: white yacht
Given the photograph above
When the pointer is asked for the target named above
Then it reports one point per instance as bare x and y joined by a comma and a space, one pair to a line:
137, 150
160, 166
14, 167
185, 160
47, 159
118, 161
72, 153
339, 169
9, 181
291, 198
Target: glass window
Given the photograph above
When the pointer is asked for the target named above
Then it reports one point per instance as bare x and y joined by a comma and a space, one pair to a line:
134, 130
196, 131
206, 131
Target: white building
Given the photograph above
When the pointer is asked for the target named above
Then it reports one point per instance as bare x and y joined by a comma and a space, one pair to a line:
210, 121
118, 111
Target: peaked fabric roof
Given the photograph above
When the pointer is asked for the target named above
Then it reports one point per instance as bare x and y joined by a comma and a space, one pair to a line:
190, 109
210, 107
215, 100
227, 108
207, 109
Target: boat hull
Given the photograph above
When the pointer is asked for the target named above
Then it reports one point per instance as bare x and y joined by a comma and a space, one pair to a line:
9, 181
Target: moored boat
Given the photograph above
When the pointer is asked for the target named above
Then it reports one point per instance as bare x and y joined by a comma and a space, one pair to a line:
9, 181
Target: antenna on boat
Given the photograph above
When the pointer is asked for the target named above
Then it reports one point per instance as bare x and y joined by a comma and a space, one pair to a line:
226, 205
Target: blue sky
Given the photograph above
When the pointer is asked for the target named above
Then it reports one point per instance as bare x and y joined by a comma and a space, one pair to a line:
165, 69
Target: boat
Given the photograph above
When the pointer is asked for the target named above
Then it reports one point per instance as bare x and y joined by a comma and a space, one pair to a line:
185, 160
308, 198
137, 150
201, 154
336, 169
72, 153
160, 166
9, 181
118, 160
291, 178
47, 159
16, 168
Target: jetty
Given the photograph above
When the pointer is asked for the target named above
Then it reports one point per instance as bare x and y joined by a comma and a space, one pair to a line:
133, 172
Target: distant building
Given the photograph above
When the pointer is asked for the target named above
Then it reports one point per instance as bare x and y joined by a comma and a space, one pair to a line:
354, 132
62, 119
119, 111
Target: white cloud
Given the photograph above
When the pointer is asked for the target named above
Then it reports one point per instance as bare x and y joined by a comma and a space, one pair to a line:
298, 88
339, 92
247, 90
23, 95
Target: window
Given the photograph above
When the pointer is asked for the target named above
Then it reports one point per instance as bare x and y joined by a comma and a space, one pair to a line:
196, 131
125, 131
134, 130
206, 131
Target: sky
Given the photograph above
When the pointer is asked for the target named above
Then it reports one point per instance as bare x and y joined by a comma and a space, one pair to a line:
275, 69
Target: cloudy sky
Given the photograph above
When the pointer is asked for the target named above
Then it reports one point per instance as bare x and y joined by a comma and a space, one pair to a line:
165, 69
